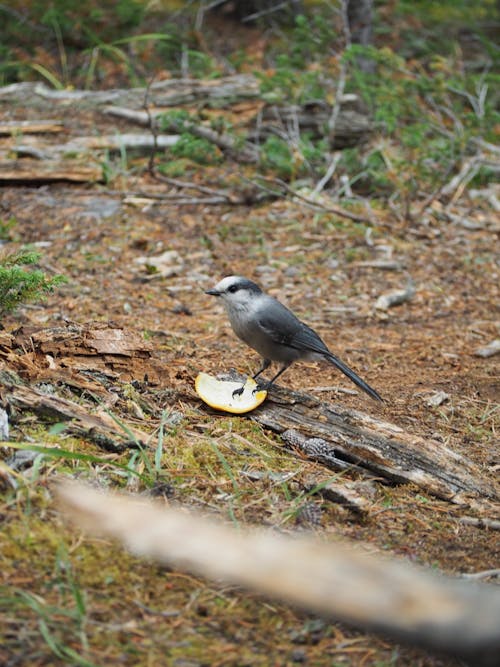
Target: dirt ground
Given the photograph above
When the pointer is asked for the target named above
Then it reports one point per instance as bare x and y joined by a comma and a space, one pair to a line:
137, 613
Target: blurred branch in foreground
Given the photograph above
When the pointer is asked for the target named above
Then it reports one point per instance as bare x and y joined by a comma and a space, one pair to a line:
335, 580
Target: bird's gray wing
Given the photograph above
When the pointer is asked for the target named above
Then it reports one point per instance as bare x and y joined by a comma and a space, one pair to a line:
289, 331
284, 328
307, 339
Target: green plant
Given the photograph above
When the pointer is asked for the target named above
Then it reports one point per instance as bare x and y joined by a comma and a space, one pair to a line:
6, 227
428, 119
70, 44
287, 160
197, 149
18, 284
276, 155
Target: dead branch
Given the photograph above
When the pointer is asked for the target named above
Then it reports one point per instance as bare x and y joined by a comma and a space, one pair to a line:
481, 522
335, 580
314, 202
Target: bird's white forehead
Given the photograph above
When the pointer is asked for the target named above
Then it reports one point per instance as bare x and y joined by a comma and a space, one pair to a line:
226, 282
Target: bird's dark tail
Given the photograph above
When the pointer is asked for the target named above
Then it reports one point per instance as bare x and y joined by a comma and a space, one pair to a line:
353, 376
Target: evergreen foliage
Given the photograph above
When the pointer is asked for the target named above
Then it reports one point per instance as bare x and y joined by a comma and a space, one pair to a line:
19, 284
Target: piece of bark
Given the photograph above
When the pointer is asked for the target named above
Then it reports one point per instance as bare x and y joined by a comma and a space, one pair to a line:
73, 353
336, 436
383, 264
84, 339
335, 580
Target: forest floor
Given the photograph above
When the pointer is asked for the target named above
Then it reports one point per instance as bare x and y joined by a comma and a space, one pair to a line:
71, 599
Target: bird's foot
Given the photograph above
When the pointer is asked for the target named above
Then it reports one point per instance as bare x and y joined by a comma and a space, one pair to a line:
238, 392
261, 386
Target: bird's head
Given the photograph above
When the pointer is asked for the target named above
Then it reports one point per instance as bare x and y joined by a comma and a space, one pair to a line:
235, 291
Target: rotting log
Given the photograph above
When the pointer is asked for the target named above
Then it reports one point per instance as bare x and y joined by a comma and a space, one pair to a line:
339, 437
335, 580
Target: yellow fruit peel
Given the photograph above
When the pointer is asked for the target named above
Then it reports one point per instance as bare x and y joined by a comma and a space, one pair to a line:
218, 394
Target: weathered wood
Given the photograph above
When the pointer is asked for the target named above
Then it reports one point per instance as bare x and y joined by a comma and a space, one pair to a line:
75, 353
99, 427
351, 126
245, 151
259, 120
83, 145
37, 171
97, 338
31, 127
334, 435
335, 580
168, 93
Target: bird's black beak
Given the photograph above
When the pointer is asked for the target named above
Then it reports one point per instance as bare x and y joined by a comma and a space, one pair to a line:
212, 292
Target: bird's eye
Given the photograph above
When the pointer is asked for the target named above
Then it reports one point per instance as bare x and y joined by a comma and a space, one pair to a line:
232, 289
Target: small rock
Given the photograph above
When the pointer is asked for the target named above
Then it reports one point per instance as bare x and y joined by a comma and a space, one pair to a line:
488, 350
169, 263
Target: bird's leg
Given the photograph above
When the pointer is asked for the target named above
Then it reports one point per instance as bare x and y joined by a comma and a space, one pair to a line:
268, 385
265, 364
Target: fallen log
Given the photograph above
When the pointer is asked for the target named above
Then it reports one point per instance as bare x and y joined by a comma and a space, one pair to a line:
338, 438
49, 171
16, 127
32, 146
352, 123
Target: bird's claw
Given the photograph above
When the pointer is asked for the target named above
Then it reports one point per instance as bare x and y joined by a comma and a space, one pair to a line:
238, 392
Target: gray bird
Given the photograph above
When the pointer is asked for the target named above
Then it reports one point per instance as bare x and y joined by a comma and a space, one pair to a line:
273, 331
